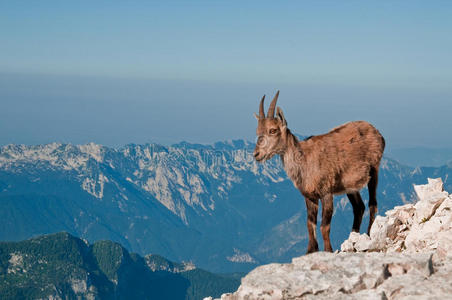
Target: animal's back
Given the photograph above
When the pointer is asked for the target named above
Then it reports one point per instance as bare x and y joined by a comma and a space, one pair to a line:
346, 155
358, 140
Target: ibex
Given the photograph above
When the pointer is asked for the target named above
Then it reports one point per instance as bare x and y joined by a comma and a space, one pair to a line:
341, 161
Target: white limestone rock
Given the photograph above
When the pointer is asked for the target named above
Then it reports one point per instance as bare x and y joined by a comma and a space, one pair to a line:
325, 275
408, 255
429, 195
378, 232
358, 242
425, 226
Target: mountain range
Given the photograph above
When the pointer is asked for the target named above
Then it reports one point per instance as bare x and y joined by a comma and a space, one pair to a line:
422, 156
211, 205
61, 266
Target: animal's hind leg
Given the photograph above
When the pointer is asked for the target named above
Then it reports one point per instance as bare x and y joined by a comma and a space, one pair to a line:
327, 213
372, 186
358, 210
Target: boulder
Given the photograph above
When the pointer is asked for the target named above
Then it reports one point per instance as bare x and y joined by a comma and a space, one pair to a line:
429, 195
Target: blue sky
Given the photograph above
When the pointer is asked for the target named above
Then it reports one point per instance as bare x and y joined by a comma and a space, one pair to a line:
139, 71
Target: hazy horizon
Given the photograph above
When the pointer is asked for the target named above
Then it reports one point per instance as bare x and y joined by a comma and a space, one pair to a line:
165, 72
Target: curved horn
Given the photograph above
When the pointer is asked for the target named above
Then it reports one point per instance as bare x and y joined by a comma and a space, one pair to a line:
271, 109
261, 109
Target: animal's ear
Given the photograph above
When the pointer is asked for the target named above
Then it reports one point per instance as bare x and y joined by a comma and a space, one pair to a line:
280, 115
256, 116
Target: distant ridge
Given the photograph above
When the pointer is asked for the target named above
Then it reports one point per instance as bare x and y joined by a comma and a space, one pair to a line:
65, 267
210, 204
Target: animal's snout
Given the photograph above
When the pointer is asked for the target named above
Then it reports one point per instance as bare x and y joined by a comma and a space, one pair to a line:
256, 153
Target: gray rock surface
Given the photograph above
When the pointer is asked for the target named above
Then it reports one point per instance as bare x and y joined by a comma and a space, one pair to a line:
349, 276
424, 226
408, 255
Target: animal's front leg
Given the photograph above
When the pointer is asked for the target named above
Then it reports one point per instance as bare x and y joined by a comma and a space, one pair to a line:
327, 213
312, 207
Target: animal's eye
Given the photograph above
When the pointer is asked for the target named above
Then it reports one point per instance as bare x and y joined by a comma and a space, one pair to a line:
273, 131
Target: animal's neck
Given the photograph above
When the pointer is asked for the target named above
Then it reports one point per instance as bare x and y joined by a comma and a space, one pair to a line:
292, 158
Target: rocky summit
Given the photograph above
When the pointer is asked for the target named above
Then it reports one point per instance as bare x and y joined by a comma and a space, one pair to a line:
407, 256
424, 226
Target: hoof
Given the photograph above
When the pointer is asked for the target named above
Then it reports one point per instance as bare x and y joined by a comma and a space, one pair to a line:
312, 250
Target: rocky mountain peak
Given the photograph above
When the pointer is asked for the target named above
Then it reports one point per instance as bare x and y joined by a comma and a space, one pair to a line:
423, 226
408, 255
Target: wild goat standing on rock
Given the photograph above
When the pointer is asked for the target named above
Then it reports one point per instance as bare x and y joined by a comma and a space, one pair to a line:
341, 161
